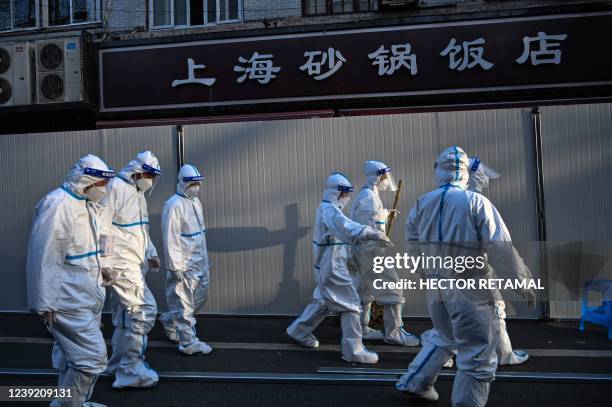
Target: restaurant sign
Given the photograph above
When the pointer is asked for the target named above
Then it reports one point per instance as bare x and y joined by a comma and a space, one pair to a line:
458, 57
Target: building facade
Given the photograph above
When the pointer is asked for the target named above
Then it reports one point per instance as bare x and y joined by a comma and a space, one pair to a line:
70, 99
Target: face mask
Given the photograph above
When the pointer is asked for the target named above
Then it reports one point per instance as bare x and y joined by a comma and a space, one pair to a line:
343, 202
144, 184
193, 191
384, 185
96, 194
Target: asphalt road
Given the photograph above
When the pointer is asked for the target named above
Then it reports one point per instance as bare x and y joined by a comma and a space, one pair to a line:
258, 345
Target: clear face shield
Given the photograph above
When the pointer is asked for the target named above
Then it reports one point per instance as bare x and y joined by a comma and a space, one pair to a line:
192, 185
488, 171
344, 195
387, 181
152, 175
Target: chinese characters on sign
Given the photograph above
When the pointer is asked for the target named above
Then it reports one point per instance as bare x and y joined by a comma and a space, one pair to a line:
261, 68
334, 59
191, 67
545, 55
320, 65
467, 55
400, 57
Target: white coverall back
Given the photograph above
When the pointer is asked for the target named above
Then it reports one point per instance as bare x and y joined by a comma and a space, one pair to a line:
451, 220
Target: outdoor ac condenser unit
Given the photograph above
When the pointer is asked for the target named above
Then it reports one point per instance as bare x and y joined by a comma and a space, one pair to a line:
16, 74
59, 71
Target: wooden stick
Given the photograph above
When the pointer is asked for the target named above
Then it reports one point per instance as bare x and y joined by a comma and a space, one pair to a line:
395, 202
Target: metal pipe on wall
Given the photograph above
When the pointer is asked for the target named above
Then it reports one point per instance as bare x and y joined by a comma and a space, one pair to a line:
539, 195
180, 145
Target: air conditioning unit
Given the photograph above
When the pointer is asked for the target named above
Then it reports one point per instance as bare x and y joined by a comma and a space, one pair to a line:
16, 74
59, 71
393, 4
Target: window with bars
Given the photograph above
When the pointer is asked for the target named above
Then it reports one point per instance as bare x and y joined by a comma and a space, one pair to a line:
329, 7
64, 12
18, 14
182, 13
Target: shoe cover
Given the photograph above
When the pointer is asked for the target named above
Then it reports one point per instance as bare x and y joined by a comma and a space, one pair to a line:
365, 356
301, 329
140, 375
169, 329
190, 344
352, 346
394, 331
310, 341
118, 345
424, 369
81, 383
402, 338
372, 334
428, 395
195, 348
517, 357
469, 391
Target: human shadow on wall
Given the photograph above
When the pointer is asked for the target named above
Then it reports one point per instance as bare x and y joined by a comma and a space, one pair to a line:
237, 239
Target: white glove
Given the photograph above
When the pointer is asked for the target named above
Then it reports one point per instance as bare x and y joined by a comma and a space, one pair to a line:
48, 318
530, 297
373, 234
154, 264
176, 275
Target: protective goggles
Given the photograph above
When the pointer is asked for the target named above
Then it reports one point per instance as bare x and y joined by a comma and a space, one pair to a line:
475, 165
345, 188
383, 171
150, 169
99, 173
194, 178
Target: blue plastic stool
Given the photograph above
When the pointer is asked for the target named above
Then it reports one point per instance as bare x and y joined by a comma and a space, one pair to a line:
601, 314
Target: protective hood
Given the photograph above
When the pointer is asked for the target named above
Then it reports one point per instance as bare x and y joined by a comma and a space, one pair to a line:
335, 184
373, 171
86, 171
187, 174
480, 174
145, 162
452, 166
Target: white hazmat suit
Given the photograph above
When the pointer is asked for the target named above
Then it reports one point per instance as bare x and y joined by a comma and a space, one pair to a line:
480, 175
333, 233
451, 220
187, 265
369, 210
65, 279
133, 305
